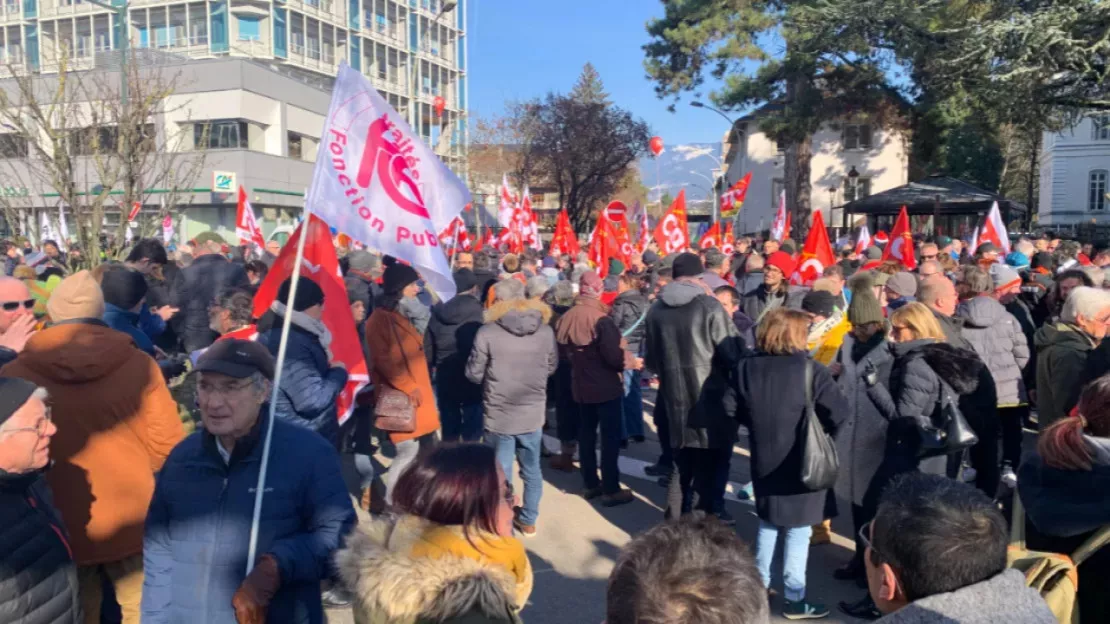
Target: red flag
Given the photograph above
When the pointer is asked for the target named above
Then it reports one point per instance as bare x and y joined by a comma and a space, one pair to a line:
727, 243
733, 199
321, 265
993, 231
483, 241
711, 238
564, 241
645, 232
901, 242
604, 245
817, 253
671, 233
246, 227
624, 240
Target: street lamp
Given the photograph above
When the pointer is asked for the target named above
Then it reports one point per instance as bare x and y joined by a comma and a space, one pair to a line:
853, 186
444, 7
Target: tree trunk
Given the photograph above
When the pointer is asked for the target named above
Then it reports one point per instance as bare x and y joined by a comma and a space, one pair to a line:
1030, 208
796, 171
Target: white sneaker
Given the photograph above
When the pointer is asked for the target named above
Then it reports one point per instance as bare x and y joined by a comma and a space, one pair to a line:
969, 475
1009, 478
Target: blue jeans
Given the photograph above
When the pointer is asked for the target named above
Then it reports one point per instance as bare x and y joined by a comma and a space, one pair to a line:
606, 417
460, 420
632, 406
795, 554
526, 448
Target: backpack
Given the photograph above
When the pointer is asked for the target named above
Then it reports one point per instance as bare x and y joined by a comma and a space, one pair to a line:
1055, 576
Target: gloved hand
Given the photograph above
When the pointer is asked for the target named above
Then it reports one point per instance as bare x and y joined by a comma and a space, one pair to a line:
254, 595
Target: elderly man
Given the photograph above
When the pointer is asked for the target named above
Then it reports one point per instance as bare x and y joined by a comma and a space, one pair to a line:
199, 524
716, 269
38, 582
939, 295
1063, 348
17, 319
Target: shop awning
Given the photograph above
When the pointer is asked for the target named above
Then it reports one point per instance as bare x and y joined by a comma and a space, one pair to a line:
937, 194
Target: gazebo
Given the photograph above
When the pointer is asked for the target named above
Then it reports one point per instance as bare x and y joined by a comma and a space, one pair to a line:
937, 204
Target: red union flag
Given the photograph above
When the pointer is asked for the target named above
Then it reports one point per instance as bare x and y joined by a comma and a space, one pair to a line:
901, 242
671, 233
817, 254
321, 266
733, 199
246, 227
377, 182
728, 246
711, 238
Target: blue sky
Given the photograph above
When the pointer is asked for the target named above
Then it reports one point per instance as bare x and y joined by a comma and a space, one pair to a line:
520, 49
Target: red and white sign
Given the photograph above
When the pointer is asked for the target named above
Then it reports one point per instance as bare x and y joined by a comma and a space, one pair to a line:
376, 181
817, 254
135, 208
901, 242
616, 211
321, 266
167, 229
246, 227
671, 232
780, 227
993, 231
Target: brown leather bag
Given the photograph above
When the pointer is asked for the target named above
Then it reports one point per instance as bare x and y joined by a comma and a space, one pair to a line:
394, 410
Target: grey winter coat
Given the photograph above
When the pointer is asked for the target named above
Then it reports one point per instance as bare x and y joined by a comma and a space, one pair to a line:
514, 354
692, 345
861, 441
1001, 598
996, 336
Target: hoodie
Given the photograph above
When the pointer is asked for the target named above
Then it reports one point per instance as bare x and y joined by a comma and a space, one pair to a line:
117, 423
447, 345
1062, 352
515, 337
1001, 598
996, 336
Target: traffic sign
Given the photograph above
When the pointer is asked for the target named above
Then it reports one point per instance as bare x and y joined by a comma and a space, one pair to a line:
616, 211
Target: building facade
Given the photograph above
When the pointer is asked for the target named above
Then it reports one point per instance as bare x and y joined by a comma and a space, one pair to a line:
878, 156
1075, 174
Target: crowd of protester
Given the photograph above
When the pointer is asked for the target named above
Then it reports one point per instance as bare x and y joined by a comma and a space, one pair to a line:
113, 511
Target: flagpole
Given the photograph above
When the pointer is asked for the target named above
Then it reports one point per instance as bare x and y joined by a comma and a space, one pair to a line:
287, 322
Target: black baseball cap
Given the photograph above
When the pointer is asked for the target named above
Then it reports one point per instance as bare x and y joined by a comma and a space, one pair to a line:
237, 358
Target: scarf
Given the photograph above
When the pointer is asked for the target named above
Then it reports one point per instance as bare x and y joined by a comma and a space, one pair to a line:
417, 313
307, 323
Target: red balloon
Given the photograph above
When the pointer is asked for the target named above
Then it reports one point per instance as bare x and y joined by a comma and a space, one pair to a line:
439, 103
656, 145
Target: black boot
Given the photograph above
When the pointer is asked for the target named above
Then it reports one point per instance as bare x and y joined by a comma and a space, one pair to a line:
863, 609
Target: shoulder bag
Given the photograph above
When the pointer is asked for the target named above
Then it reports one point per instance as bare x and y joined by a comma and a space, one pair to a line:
819, 461
950, 432
394, 410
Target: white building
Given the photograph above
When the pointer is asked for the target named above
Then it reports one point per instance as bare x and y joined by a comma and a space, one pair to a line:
879, 155
1075, 174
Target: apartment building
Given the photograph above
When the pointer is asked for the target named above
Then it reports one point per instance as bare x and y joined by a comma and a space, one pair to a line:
1075, 174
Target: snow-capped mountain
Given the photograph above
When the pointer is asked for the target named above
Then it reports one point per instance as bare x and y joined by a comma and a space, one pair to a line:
686, 166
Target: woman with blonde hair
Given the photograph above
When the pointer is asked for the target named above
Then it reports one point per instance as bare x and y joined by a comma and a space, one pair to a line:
774, 420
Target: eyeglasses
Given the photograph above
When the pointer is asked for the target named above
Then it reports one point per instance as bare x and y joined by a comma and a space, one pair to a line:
12, 306
865, 537
40, 427
224, 390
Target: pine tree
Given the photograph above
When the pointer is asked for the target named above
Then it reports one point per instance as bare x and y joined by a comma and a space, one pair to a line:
588, 89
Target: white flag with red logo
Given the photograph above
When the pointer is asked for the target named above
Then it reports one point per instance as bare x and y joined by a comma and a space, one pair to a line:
376, 181
246, 227
779, 229
901, 242
863, 241
993, 231
817, 254
321, 265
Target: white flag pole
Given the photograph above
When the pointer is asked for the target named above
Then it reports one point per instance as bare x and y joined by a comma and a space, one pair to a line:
286, 323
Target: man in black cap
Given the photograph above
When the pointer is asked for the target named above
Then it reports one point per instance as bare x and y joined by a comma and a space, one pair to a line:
38, 582
199, 523
447, 343
309, 384
687, 319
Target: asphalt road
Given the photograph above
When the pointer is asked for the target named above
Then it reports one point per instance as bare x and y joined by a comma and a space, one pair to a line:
577, 541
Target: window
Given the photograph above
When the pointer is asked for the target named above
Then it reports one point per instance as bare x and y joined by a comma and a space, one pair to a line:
1101, 127
220, 134
13, 146
861, 189
89, 141
295, 144
249, 28
857, 136
198, 24
1096, 200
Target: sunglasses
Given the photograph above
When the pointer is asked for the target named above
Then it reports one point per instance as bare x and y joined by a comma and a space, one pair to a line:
12, 306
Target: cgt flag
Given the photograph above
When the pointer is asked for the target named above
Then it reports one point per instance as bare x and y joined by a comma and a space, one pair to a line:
901, 242
733, 199
377, 182
671, 232
711, 237
246, 227
817, 254
321, 266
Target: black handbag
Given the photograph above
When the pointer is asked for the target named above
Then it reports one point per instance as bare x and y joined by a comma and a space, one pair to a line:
950, 434
819, 461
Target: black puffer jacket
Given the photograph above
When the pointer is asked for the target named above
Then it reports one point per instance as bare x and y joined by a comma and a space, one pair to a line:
447, 343
692, 345
38, 582
627, 309
194, 290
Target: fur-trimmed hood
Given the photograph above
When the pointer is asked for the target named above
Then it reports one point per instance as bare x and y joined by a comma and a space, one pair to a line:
960, 368
391, 586
520, 317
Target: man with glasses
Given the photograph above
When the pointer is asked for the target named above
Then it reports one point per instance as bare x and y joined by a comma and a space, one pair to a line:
936, 552
929, 251
17, 319
199, 524
38, 582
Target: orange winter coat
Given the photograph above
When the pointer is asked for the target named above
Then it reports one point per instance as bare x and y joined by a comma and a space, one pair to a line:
116, 424
388, 366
